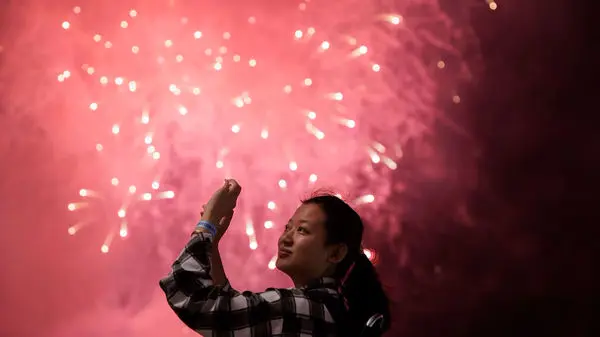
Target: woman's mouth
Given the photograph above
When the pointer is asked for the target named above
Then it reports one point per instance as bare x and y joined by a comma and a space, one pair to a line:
282, 253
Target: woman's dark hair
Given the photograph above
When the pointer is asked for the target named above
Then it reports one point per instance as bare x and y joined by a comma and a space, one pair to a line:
359, 282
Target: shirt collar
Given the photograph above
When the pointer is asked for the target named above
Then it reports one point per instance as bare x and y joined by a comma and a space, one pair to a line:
323, 282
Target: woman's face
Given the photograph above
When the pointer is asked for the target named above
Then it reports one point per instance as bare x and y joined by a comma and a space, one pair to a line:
302, 252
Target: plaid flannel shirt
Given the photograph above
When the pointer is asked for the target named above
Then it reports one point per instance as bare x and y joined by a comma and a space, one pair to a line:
221, 311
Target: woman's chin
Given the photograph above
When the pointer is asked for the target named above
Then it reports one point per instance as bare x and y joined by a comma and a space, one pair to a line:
283, 265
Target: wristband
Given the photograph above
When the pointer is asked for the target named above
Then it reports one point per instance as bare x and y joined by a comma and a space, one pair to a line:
208, 226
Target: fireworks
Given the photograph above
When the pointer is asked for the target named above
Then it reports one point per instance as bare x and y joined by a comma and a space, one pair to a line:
286, 97
91, 198
134, 100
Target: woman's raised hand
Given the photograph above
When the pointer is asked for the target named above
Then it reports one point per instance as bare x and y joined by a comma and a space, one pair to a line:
219, 209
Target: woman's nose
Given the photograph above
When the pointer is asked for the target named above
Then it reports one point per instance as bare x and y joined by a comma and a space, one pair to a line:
286, 238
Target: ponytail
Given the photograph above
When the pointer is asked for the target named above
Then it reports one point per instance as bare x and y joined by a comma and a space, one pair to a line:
363, 294
360, 287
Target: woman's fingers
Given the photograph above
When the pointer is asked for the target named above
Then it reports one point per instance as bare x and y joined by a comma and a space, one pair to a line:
234, 187
223, 201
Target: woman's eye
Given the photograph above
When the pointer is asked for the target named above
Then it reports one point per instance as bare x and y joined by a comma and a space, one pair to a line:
301, 229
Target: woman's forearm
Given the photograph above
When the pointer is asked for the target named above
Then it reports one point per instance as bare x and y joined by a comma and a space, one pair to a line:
217, 272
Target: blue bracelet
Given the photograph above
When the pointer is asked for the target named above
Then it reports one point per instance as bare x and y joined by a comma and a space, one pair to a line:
208, 226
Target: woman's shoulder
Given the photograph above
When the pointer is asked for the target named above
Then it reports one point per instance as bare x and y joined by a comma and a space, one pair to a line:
303, 292
320, 295
314, 304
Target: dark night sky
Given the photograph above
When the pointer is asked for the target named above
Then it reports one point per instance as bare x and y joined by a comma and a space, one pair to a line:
526, 266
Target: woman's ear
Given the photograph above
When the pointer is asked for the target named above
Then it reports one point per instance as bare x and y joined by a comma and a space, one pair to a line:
337, 253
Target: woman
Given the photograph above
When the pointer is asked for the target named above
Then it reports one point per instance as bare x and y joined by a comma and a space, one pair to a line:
336, 287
